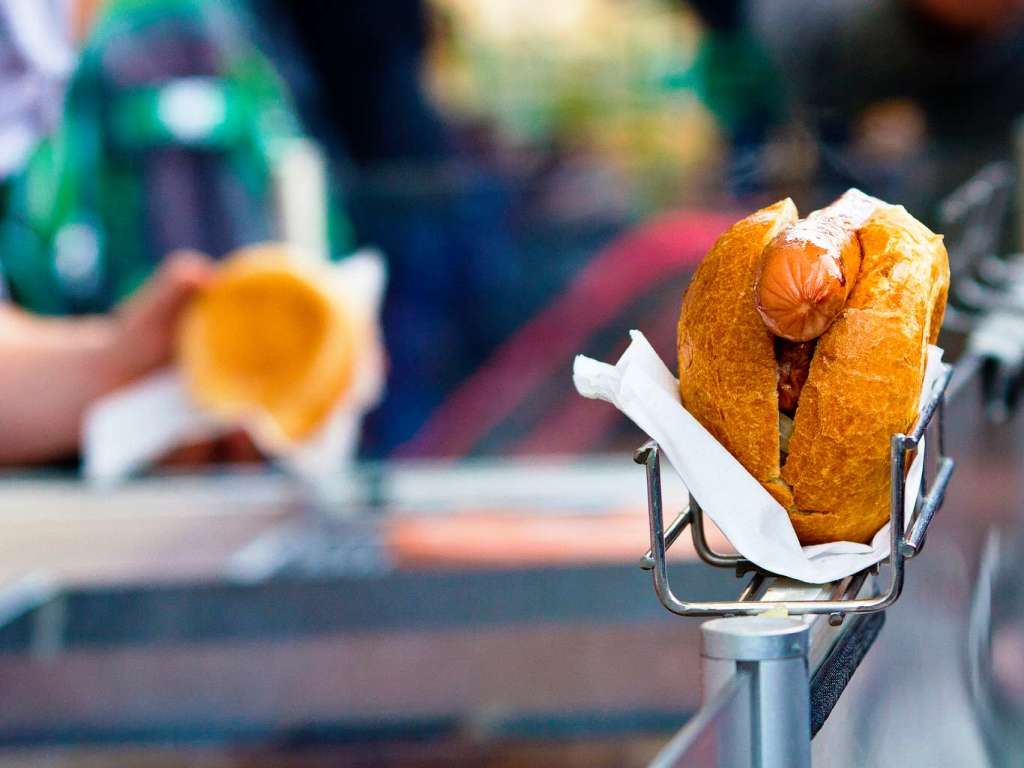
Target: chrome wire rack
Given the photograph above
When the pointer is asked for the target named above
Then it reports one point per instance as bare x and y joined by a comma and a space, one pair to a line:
906, 540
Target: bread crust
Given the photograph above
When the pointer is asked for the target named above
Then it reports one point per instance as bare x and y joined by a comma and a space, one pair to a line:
864, 381
727, 356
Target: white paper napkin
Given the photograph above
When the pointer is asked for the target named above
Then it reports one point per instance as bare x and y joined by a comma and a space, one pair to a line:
643, 388
128, 429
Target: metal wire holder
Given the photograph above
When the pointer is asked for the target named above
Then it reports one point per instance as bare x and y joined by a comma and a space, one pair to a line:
906, 541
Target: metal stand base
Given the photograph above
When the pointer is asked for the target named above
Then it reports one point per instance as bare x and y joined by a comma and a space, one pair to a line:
756, 711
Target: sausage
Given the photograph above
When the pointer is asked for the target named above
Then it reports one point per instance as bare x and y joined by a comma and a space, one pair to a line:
793, 363
807, 272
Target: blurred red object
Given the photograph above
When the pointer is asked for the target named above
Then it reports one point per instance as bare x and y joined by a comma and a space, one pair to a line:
512, 538
522, 400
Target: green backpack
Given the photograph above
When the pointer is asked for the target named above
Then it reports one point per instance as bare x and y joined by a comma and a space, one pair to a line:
172, 128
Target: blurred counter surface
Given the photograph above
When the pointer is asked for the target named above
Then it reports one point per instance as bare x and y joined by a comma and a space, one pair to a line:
431, 602
237, 525
437, 602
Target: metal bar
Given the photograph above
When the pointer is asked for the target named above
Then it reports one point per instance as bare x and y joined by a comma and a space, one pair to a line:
641, 454
663, 589
700, 542
934, 398
25, 595
897, 500
753, 587
775, 729
855, 584
914, 540
846, 591
795, 607
652, 467
695, 743
931, 501
941, 417
904, 541
675, 528
720, 734
711, 608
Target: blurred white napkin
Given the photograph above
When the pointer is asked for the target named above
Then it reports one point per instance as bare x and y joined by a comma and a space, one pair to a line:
129, 429
643, 388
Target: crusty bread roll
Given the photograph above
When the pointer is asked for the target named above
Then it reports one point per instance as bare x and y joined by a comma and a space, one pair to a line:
268, 340
864, 380
726, 355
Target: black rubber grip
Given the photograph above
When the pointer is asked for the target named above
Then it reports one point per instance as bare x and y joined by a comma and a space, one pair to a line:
831, 678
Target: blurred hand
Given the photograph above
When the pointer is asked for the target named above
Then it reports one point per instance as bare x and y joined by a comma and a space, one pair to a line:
145, 324
55, 368
146, 327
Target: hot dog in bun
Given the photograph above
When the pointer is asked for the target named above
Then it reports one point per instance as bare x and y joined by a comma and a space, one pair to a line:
802, 349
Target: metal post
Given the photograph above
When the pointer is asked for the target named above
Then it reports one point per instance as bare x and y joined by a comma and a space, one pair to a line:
774, 731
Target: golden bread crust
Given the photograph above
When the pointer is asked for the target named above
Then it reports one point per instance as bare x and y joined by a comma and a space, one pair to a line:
865, 381
266, 338
727, 376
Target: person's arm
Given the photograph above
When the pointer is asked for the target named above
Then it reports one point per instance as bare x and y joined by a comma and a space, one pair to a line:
51, 369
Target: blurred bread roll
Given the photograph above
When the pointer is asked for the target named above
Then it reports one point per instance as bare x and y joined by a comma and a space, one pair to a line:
268, 339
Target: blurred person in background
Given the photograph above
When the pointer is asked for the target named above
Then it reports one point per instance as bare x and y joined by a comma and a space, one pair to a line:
905, 98
415, 188
52, 369
164, 145
813, 97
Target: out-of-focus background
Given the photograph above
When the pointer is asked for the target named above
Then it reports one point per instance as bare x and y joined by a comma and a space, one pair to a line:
540, 177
